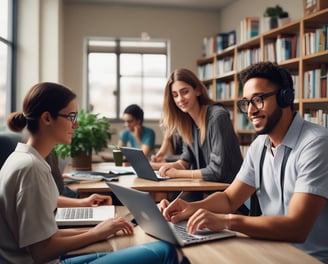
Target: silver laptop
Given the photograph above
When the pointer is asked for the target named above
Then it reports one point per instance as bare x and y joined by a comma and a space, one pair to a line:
147, 215
140, 164
83, 216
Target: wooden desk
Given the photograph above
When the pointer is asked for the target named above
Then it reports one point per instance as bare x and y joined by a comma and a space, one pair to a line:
158, 189
232, 250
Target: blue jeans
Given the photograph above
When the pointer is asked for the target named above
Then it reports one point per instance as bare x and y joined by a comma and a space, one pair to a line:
149, 253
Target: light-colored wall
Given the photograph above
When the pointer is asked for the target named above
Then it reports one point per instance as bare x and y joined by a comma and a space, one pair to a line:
51, 35
39, 44
232, 14
184, 28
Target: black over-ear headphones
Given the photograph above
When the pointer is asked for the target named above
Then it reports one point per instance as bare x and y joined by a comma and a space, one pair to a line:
285, 96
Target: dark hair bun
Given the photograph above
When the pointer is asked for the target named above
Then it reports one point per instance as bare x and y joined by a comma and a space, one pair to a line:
16, 121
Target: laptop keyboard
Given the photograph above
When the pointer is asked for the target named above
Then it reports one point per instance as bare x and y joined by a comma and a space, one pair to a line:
78, 213
182, 232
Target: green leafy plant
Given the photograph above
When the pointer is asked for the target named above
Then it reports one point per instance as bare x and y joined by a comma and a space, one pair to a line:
92, 134
276, 11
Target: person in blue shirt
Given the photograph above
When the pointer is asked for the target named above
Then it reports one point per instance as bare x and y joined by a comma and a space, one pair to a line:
135, 134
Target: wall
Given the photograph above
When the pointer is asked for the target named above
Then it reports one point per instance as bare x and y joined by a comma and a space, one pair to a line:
39, 44
184, 28
232, 14
51, 35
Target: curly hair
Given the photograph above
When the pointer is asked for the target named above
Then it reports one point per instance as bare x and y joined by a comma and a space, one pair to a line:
270, 71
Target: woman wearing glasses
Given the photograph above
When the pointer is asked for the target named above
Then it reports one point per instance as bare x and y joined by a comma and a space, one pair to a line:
28, 194
211, 150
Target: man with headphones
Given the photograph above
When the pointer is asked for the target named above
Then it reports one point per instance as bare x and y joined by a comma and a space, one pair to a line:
286, 166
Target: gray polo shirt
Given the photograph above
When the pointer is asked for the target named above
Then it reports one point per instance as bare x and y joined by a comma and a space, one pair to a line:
306, 171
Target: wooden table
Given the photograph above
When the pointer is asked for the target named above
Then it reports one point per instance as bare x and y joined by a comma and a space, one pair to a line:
240, 249
158, 189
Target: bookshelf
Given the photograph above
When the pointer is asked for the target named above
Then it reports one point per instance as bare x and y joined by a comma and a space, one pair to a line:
301, 46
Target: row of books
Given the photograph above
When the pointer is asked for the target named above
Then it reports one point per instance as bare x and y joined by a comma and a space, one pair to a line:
243, 122
315, 83
316, 40
249, 28
225, 40
296, 84
224, 66
205, 71
225, 90
319, 117
247, 57
281, 49
218, 43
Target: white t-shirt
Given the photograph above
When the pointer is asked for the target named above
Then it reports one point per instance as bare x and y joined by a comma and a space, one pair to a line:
28, 200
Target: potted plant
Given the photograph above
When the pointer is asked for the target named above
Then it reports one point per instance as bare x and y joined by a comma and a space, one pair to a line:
275, 16
91, 135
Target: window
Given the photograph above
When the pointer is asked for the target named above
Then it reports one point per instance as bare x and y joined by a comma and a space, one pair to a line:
6, 59
123, 72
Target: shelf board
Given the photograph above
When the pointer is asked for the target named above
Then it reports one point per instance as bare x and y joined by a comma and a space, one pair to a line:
258, 47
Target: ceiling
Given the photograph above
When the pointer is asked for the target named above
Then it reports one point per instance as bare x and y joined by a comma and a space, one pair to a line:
194, 4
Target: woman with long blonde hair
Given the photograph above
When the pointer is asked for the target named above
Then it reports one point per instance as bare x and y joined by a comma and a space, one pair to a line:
211, 150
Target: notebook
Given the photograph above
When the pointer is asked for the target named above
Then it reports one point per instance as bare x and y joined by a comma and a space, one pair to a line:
83, 216
147, 215
140, 164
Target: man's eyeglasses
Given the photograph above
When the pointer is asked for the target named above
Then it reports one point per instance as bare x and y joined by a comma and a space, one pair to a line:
256, 101
71, 116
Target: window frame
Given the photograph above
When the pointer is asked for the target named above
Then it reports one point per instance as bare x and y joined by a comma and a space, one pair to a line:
118, 49
11, 42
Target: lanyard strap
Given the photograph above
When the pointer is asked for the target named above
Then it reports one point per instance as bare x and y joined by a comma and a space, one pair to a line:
282, 171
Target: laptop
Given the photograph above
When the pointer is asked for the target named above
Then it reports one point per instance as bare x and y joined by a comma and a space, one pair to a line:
148, 216
84, 216
140, 164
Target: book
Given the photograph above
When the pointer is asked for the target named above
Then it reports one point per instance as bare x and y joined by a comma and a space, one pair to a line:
249, 28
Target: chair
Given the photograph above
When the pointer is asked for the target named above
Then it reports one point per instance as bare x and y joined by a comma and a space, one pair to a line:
8, 142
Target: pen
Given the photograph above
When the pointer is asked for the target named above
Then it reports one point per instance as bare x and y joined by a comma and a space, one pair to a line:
179, 195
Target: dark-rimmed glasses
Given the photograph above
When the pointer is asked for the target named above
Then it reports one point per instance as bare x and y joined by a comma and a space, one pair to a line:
256, 101
71, 116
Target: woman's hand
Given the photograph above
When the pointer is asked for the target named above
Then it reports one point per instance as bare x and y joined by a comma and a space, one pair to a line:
111, 226
96, 200
167, 171
158, 157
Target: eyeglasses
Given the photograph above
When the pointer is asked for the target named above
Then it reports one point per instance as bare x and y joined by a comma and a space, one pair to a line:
129, 121
71, 116
256, 101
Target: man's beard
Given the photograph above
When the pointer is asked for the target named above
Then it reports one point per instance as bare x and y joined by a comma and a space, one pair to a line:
271, 123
